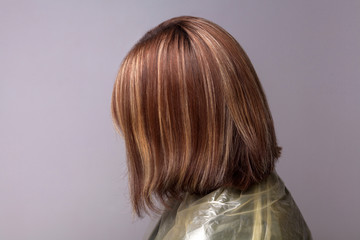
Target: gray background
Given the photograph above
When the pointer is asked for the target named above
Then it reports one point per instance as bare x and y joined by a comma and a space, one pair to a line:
62, 166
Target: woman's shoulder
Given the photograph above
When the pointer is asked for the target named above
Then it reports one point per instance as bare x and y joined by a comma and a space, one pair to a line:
265, 211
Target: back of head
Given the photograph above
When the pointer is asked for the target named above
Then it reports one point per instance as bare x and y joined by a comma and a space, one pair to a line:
193, 114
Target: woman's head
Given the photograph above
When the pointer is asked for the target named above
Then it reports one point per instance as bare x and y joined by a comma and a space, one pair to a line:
193, 114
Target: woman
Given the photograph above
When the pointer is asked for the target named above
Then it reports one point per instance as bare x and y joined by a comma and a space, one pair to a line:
200, 138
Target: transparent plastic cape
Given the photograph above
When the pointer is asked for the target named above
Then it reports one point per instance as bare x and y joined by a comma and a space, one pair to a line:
265, 211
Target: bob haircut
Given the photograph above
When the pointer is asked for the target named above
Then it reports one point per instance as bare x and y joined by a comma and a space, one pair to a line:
193, 114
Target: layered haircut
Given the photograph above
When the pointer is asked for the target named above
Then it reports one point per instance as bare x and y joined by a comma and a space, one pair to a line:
193, 114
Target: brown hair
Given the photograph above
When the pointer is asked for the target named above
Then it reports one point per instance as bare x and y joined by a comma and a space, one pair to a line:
193, 114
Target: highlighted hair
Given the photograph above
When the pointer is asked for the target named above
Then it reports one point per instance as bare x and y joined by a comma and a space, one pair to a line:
193, 114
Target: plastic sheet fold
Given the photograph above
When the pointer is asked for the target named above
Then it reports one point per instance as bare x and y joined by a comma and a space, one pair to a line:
265, 211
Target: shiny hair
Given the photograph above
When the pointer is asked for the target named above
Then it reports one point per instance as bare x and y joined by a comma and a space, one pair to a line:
193, 114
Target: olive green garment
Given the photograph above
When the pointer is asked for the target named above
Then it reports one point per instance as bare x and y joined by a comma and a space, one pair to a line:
265, 211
